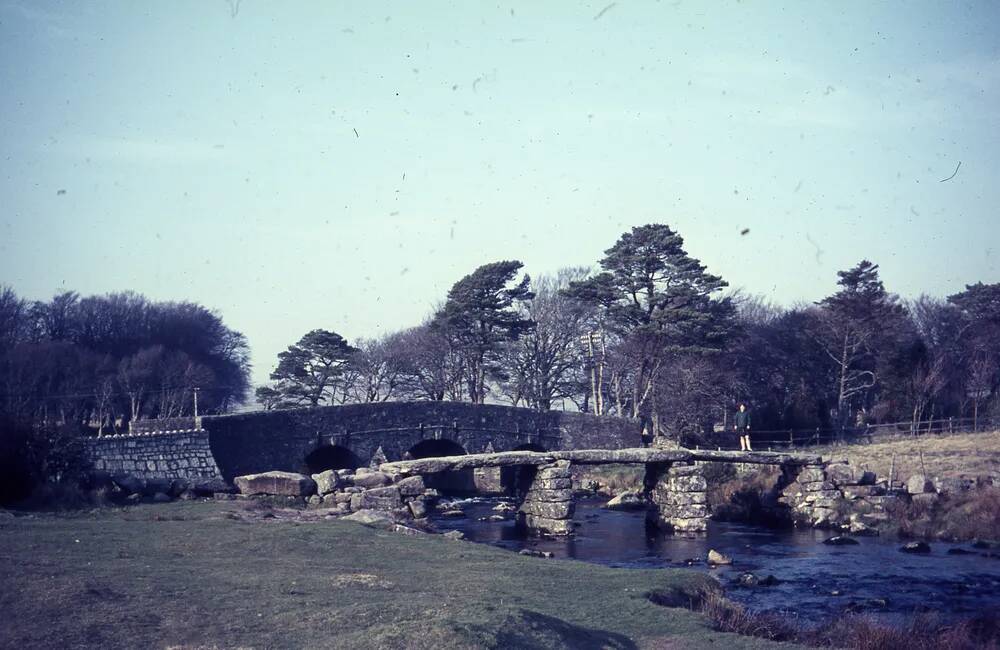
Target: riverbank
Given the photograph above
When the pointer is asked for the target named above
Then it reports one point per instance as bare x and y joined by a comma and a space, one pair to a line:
946, 456
194, 574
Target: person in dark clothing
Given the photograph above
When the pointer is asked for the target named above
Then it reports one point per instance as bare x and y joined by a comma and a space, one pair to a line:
742, 427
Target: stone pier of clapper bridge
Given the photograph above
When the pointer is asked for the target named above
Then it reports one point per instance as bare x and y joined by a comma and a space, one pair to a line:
674, 485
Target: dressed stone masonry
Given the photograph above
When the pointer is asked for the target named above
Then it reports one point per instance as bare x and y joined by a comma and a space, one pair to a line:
185, 455
678, 497
548, 504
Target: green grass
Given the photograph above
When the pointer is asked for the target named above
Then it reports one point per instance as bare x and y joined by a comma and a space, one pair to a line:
189, 575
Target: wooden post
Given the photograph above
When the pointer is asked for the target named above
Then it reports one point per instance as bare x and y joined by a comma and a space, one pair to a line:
892, 469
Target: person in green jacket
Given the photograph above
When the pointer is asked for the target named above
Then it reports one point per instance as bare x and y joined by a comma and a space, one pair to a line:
742, 427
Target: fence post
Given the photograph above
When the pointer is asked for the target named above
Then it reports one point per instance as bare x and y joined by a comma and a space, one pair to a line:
816, 439
951, 425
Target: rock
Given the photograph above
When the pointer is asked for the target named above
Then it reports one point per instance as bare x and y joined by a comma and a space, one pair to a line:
858, 528
688, 484
811, 474
278, 483
504, 507
372, 518
915, 547
371, 479
381, 498
751, 580
918, 484
716, 558
554, 484
454, 513
926, 499
546, 525
407, 530
533, 553
549, 496
208, 487
960, 551
840, 541
417, 508
866, 478
314, 500
161, 497
626, 501
326, 482
953, 485
562, 510
454, 535
129, 484
860, 491
188, 495
840, 474
133, 498
983, 544
412, 486
493, 518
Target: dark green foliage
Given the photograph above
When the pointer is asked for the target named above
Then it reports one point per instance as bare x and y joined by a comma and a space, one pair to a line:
480, 316
311, 371
101, 361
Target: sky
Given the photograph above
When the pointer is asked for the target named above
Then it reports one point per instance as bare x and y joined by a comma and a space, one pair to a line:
340, 165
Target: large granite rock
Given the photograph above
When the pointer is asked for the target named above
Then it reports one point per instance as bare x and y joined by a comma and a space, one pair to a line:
626, 501
382, 498
919, 484
279, 483
371, 479
326, 482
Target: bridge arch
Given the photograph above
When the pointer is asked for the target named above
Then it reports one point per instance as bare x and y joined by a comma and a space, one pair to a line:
453, 482
331, 457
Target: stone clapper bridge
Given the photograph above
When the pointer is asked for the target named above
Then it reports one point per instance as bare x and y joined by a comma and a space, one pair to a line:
674, 487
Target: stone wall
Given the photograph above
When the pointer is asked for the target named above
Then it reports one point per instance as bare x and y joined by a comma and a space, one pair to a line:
250, 443
157, 456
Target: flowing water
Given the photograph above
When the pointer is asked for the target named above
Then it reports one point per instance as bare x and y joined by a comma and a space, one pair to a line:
815, 581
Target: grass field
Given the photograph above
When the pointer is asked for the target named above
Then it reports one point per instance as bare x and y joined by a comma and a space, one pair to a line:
193, 575
945, 456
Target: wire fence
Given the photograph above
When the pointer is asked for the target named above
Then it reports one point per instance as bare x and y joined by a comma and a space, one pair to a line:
870, 433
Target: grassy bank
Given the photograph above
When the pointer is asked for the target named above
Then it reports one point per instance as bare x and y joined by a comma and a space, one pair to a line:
941, 455
192, 575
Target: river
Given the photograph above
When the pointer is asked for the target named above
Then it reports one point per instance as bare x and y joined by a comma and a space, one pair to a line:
815, 581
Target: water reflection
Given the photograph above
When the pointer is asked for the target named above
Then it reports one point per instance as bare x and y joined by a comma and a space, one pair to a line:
816, 580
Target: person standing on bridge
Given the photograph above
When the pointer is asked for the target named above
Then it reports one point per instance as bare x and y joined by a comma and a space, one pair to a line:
742, 427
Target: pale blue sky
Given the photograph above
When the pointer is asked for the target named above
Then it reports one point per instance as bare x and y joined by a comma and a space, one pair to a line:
213, 157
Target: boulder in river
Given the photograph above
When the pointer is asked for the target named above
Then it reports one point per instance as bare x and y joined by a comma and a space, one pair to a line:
960, 551
840, 540
915, 547
626, 501
718, 559
533, 553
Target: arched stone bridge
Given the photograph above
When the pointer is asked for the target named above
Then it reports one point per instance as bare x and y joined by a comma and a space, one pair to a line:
346, 437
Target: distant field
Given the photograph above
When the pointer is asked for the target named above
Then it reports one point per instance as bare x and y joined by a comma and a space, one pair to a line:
193, 575
956, 455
